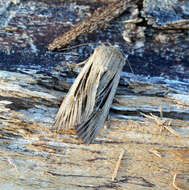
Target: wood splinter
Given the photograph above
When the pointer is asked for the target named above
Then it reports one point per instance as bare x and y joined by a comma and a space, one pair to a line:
100, 18
87, 104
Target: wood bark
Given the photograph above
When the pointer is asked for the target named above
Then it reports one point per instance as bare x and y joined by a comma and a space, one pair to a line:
100, 18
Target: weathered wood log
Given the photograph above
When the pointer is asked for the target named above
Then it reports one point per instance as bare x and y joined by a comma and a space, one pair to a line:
30, 150
149, 122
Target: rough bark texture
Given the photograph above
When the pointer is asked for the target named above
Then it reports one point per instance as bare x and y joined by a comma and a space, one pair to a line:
168, 14
100, 18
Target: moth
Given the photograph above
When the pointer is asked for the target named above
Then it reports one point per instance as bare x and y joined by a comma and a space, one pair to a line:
87, 104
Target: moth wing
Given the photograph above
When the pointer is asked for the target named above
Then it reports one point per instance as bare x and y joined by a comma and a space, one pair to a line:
88, 101
80, 100
89, 129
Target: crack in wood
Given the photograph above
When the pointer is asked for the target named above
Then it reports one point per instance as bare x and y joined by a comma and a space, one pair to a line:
136, 180
74, 175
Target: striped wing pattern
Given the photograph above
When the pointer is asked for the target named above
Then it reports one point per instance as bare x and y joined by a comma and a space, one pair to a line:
88, 101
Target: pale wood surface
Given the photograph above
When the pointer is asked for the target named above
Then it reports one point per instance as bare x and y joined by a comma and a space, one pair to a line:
32, 156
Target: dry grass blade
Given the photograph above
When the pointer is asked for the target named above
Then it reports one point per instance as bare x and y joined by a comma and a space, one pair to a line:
171, 130
155, 152
11, 162
174, 185
117, 165
100, 18
161, 123
88, 101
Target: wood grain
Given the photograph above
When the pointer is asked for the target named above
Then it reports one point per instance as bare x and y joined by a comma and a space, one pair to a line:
29, 150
